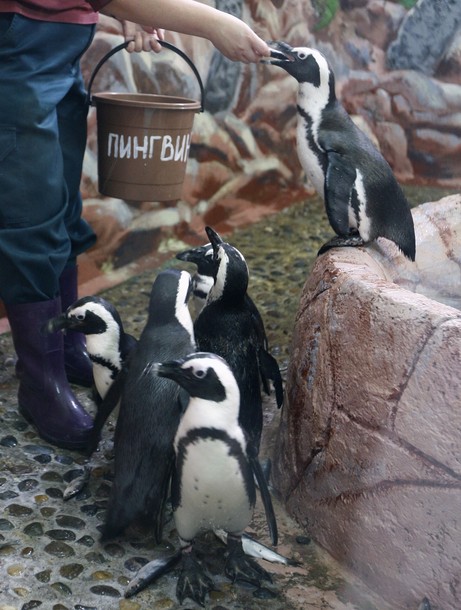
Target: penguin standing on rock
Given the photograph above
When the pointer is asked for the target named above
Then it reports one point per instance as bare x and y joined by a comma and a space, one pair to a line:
213, 484
362, 196
150, 408
225, 326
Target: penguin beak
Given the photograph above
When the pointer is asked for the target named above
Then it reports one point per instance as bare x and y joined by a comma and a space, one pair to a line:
281, 53
170, 370
61, 322
53, 325
194, 255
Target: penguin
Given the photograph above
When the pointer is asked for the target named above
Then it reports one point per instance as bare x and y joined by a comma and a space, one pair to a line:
202, 282
225, 326
109, 348
212, 485
108, 345
362, 197
150, 409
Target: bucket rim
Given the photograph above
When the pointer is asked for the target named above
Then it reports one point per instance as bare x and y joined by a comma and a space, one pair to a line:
147, 100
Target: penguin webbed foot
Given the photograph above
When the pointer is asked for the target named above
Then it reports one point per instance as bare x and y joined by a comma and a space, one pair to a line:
353, 240
241, 568
193, 582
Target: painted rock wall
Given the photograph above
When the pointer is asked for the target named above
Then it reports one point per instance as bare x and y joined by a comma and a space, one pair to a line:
243, 162
368, 450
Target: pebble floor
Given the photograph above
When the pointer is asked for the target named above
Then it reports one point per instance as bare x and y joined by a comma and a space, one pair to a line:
50, 553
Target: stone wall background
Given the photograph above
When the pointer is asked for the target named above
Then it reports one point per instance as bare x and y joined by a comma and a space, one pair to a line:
243, 162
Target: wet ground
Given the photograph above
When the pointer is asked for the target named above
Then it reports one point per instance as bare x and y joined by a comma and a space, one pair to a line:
50, 553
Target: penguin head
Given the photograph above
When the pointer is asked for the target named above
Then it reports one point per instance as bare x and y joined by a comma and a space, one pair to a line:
305, 64
90, 315
203, 375
201, 256
230, 271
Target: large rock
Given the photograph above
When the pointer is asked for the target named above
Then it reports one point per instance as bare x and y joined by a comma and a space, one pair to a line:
369, 443
424, 36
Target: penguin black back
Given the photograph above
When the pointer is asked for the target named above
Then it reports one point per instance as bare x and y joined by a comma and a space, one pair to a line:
150, 410
225, 327
362, 197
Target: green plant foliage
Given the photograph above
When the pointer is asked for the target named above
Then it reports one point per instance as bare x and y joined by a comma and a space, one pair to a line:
326, 10
408, 4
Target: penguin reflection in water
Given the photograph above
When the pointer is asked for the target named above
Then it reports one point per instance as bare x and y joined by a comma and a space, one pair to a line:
362, 197
212, 485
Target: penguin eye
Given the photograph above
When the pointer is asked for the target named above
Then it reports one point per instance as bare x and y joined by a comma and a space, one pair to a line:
80, 316
199, 373
302, 55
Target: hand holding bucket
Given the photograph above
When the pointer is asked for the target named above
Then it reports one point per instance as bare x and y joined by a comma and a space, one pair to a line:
143, 139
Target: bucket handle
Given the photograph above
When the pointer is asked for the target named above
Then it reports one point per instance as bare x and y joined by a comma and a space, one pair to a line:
165, 44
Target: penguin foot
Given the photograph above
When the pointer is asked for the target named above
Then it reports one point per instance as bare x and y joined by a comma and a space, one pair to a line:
241, 568
193, 582
353, 240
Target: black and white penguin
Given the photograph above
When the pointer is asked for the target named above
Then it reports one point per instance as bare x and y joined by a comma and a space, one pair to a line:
202, 282
202, 279
225, 326
108, 344
362, 197
150, 408
213, 485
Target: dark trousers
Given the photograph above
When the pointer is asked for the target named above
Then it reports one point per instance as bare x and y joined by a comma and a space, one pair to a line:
42, 142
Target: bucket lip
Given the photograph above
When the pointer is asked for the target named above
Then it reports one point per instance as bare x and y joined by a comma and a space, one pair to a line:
147, 100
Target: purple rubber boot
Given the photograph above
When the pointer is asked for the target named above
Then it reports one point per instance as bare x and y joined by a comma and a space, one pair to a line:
79, 368
44, 396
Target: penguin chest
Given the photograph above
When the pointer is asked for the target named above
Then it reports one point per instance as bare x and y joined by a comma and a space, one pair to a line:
213, 492
103, 378
310, 156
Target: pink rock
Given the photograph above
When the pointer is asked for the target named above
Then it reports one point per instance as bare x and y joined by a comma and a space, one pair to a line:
378, 22
368, 454
393, 144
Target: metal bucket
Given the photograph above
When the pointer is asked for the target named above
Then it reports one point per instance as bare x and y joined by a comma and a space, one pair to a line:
143, 139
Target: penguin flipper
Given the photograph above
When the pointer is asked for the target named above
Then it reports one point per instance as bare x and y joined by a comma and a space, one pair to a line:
106, 407
269, 369
266, 499
339, 181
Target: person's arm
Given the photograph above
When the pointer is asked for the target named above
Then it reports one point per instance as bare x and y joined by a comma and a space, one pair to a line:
230, 35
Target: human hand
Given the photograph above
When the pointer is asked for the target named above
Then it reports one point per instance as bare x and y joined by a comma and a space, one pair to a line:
237, 41
142, 38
